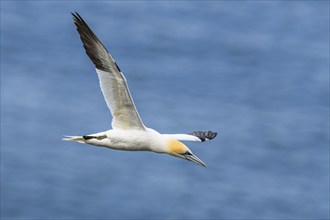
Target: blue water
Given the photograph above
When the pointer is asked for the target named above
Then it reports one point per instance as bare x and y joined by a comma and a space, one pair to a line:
255, 71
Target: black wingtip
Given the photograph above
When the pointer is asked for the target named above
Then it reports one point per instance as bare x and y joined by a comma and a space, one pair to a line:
205, 135
211, 134
75, 15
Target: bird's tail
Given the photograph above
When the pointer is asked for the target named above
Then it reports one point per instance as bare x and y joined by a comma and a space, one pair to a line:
79, 139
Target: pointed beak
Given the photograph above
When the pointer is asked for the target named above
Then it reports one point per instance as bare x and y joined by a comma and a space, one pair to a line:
195, 159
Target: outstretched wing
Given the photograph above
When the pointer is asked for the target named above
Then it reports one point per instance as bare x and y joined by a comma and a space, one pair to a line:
112, 81
194, 136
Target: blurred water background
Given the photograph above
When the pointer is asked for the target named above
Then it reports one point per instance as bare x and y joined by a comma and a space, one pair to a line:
255, 71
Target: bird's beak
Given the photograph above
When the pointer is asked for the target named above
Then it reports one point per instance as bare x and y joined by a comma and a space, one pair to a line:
195, 159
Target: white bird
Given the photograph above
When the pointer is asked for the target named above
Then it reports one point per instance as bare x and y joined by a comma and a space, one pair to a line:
128, 133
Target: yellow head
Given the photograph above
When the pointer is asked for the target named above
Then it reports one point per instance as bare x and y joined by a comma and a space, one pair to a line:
178, 149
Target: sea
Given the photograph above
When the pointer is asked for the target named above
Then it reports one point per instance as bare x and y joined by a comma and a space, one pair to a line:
256, 72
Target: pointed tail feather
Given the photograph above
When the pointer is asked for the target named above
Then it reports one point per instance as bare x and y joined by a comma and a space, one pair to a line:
79, 139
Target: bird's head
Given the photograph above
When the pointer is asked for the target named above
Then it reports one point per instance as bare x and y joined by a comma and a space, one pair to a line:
178, 149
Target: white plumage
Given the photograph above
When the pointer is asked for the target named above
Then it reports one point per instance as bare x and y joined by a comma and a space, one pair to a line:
129, 132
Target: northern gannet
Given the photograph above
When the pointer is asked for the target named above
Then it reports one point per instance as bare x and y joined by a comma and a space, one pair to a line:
128, 133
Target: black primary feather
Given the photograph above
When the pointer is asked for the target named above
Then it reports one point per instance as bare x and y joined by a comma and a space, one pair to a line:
204, 135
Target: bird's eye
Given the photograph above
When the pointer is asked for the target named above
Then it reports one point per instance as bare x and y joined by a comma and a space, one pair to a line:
187, 153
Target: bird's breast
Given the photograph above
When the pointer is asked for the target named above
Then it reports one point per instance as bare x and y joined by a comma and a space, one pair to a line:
130, 140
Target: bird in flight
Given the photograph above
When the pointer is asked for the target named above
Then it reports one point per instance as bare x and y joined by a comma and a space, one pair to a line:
128, 131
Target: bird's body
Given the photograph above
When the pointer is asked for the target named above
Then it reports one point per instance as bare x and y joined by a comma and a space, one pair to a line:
128, 133
129, 140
